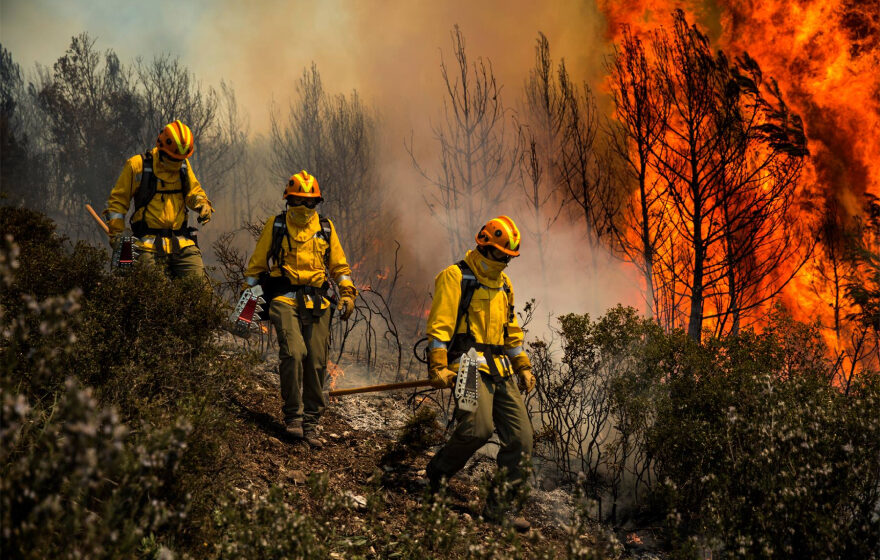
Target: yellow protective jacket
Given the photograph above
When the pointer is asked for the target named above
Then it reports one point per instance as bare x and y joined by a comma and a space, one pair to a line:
164, 211
302, 257
490, 313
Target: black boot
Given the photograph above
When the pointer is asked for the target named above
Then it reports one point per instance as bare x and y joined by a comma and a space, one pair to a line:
435, 478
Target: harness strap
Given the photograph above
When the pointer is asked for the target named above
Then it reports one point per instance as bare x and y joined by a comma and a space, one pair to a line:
462, 341
276, 249
147, 191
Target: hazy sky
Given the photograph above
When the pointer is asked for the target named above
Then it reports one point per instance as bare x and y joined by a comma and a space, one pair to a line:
387, 50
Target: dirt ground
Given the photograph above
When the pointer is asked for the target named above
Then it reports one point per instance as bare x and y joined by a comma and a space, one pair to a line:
356, 431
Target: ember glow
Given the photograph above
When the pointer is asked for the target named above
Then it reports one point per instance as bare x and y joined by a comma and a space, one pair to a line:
335, 373
824, 55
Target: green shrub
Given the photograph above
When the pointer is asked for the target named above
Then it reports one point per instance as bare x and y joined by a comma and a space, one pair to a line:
155, 412
743, 443
75, 485
761, 456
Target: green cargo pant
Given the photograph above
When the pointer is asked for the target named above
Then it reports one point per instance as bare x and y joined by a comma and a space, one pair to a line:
186, 261
499, 406
303, 345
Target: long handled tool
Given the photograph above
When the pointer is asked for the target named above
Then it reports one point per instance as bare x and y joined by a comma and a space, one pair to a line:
98, 219
124, 252
385, 387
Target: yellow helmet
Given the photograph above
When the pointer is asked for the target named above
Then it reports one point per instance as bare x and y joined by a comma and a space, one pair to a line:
303, 185
501, 233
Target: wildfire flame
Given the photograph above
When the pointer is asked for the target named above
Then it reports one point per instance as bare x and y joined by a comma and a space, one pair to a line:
824, 55
335, 372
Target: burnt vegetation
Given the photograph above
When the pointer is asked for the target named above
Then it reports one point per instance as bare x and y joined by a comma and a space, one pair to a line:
132, 426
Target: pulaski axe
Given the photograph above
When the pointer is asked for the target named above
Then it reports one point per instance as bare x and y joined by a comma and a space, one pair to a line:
124, 252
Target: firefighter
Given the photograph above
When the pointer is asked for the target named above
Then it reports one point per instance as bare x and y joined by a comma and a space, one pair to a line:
164, 188
473, 308
296, 255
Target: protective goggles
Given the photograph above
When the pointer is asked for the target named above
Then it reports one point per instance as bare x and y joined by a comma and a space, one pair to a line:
299, 201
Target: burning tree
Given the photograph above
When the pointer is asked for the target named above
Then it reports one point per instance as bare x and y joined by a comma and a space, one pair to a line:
718, 155
640, 114
476, 160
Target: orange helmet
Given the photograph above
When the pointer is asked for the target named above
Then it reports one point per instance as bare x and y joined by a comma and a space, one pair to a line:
502, 234
304, 185
176, 140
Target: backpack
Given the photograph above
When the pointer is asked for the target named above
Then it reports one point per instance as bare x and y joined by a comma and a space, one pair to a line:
147, 191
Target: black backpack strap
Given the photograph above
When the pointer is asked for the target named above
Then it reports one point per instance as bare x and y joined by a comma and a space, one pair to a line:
279, 232
147, 188
469, 285
184, 180
325, 233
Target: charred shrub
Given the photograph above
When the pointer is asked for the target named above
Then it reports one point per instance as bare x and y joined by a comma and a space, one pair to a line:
420, 433
592, 408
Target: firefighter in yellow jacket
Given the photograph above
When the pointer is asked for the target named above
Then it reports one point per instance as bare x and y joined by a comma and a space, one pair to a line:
488, 324
163, 187
295, 256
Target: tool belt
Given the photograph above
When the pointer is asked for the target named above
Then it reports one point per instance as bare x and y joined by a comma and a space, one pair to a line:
281, 286
140, 230
464, 342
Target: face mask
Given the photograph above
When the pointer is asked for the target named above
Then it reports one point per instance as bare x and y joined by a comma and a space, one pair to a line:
488, 267
169, 163
301, 215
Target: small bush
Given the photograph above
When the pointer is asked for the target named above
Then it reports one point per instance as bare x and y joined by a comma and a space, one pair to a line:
743, 443
147, 442
420, 432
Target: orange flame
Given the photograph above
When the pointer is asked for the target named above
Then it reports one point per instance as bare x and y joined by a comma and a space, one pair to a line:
335, 372
824, 54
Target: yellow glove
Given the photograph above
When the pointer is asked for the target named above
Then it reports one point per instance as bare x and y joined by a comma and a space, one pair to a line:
116, 228
116, 225
346, 301
523, 369
205, 210
438, 372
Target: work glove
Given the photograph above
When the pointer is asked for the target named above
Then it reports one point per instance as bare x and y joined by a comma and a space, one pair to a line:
114, 227
523, 369
346, 301
439, 373
205, 210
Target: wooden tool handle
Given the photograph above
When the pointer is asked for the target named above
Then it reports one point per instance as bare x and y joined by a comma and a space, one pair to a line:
98, 219
385, 387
